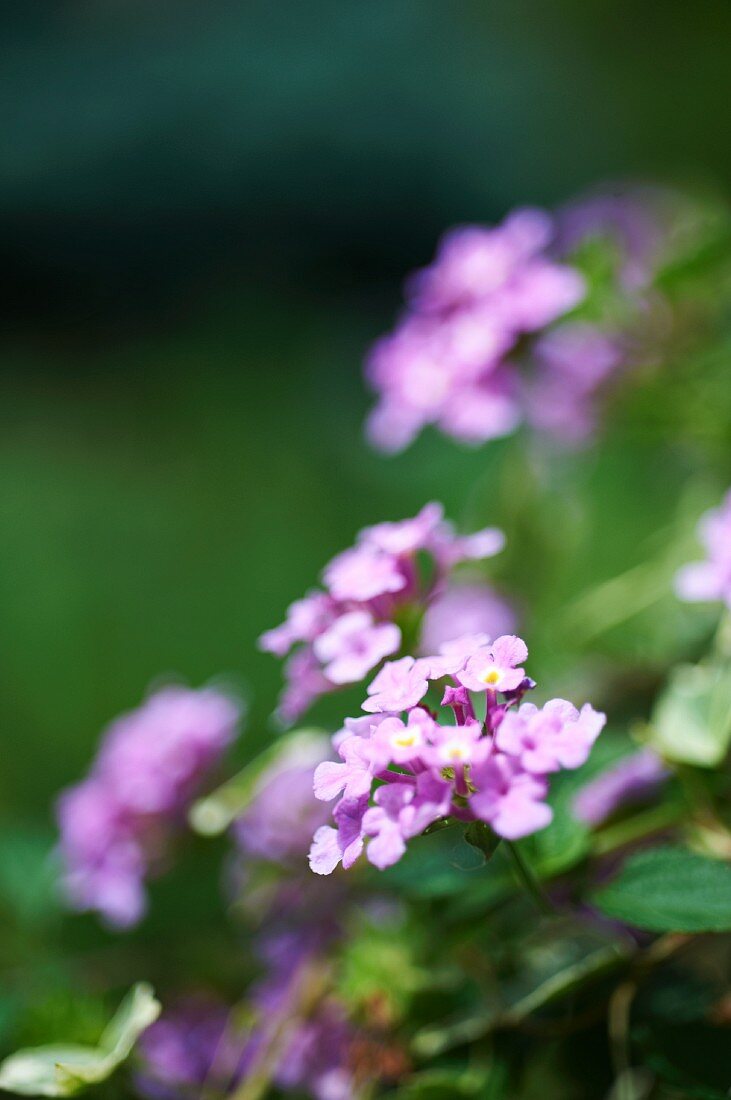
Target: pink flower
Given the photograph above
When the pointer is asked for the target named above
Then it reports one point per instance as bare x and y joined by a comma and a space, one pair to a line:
445, 364
508, 799
306, 618
710, 579
402, 742
399, 686
457, 746
473, 262
353, 777
305, 682
462, 609
353, 645
402, 811
363, 573
557, 736
344, 843
343, 634
486, 761
408, 535
494, 667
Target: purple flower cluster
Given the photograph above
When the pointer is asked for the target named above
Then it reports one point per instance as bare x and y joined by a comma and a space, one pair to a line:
446, 363
710, 579
485, 343
190, 1046
400, 769
116, 824
278, 823
305, 1047
339, 635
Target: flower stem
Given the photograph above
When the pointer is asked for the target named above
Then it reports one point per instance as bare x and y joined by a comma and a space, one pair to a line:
526, 877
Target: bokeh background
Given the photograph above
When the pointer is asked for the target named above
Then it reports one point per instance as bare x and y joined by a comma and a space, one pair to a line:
206, 211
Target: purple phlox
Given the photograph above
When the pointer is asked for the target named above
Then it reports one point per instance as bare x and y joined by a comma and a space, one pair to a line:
353, 645
508, 798
415, 762
340, 636
549, 738
402, 811
190, 1046
283, 813
344, 843
116, 825
399, 685
488, 340
399, 742
445, 364
361, 759
457, 746
496, 667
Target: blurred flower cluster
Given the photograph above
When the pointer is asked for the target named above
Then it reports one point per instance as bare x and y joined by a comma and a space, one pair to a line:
117, 824
517, 323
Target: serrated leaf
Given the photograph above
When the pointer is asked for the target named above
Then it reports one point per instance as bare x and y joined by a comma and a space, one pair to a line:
691, 722
64, 1069
670, 890
213, 814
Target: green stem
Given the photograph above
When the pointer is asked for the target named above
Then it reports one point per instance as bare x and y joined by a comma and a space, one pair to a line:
526, 877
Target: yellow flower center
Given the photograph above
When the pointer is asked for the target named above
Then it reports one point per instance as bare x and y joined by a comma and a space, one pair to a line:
455, 752
491, 677
404, 740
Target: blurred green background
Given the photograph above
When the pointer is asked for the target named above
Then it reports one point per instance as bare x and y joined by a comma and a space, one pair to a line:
205, 214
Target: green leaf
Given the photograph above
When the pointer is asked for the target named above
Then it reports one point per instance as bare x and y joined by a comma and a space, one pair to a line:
670, 890
436, 1084
560, 957
691, 722
64, 1069
482, 837
213, 814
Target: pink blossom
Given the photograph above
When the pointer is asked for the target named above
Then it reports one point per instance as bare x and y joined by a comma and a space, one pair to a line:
456, 746
710, 579
398, 686
509, 799
306, 618
408, 765
339, 636
494, 667
402, 742
408, 535
471, 608
353, 777
402, 811
363, 573
353, 645
342, 844
556, 736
